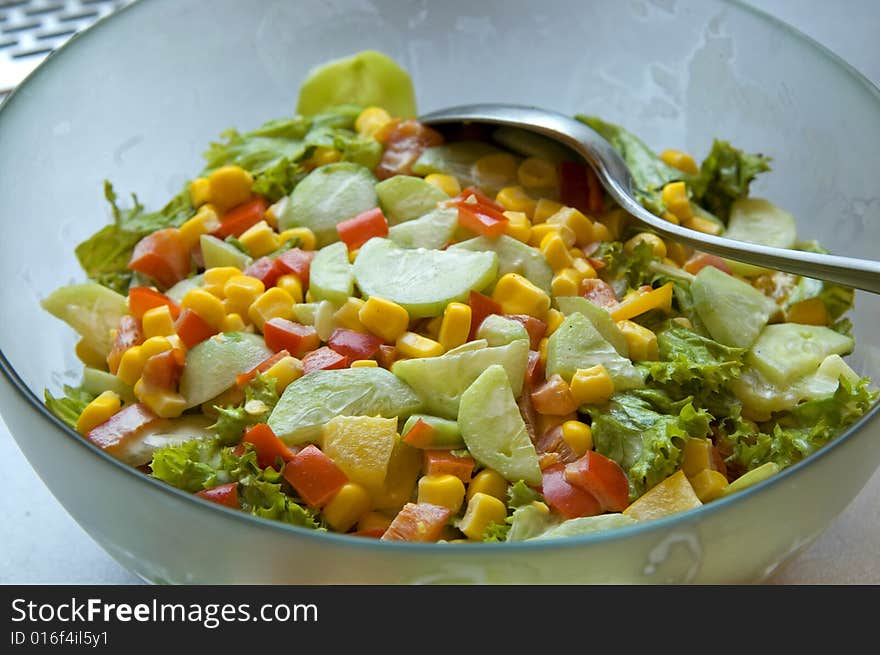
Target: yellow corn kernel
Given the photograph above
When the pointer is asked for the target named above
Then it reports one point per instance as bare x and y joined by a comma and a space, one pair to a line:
374, 521
348, 505
154, 346
364, 363
601, 232
696, 456
131, 365
641, 341
443, 490
675, 197
703, 225
272, 303
578, 436
585, 268
536, 173
259, 239
208, 306
323, 155
482, 511
542, 230
411, 344
811, 311
709, 485
229, 186
640, 303
577, 253
384, 318
677, 252
157, 322
241, 291
200, 191
204, 222
658, 247
233, 323
556, 253
577, 222
285, 370
683, 322
672, 218
488, 482
616, 221
495, 170
591, 386
518, 226
455, 325
292, 285
275, 210
432, 327
545, 208
566, 282
371, 120
448, 184
517, 295
542, 350
307, 240
98, 411
214, 279
348, 316
515, 199
680, 160
165, 403
554, 319
88, 355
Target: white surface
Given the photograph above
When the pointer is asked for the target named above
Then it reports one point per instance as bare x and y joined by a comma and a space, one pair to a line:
42, 544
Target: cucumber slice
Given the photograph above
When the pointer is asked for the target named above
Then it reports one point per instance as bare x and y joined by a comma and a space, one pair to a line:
404, 197
494, 430
587, 525
162, 434
422, 281
578, 344
96, 382
314, 399
529, 521
330, 276
329, 195
91, 310
440, 381
368, 78
756, 220
433, 230
447, 434
179, 290
456, 159
212, 365
514, 257
304, 312
500, 331
598, 316
476, 344
530, 144
325, 321
787, 351
733, 311
216, 253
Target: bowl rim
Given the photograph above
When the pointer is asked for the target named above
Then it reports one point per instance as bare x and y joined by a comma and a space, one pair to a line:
574, 541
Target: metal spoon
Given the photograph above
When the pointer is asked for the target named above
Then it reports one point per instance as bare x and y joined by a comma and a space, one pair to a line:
616, 178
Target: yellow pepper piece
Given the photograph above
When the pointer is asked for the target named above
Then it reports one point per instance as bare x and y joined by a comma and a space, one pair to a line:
517, 295
591, 386
641, 341
680, 160
643, 302
384, 318
455, 325
709, 485
411, 344
448, 184
488, 482
675, 494
482, 511
98, 411
348, 504
443, 490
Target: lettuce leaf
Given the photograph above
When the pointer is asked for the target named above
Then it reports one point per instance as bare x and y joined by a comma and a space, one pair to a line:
838, 299
725, 176
69, 406
260, 397
623, 270
523, 518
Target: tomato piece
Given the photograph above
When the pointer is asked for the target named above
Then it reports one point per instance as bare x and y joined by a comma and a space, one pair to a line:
420, 435
535, 327
192, 328
356, 231
315, 476
143, 299
481, 307
225, 494
405, 141
128, 334
421, 522
354, 345
163, 370
161, 256
602, 477
265, 270
599, 292
386, 356
237, 220
481, 222
701, 260
442, 462
113, 434
573, 186
268, 446
565, 498
553, 442
298, 262
482, 199
297, 339
243, 378
553, 397
595, 192
323, 359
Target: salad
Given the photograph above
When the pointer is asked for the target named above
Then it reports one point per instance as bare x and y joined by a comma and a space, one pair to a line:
351, 322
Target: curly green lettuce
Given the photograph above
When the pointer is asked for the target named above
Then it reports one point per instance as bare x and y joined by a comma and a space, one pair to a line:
260, 398
725, 176
69, 406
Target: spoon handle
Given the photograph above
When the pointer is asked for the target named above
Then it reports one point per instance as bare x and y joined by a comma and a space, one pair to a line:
617, 181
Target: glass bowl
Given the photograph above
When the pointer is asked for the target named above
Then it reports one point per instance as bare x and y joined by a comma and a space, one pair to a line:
137, 98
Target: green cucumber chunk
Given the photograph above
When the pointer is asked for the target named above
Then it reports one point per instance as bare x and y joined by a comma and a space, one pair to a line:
734, 312
314, 399
440, 381
404, 197
500, 331
456, 159
212, 365
447, 434
91, 310
476, 344
327, 196
494, 430
577, 344
513, 257
330, 276
598, 316
756, 220
531, 144
787, 351
433, 230
179, 290
368, 79
422, 281
216, 253
304, 312
756, 475
587, 525
96, 382
325, 319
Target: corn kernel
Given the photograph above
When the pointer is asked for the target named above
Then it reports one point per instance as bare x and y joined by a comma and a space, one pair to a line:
204, 222
88, 355
518, 226
576, 222
348, 505
448, 184
495, 170
214, 279
488, 482
432, 327
658, 247
323, 155
672, 218
601, 232
677, 252
616, 221
292, 285
165, 403
696, 456
545, 208
578, 436
811, 311
683, 322
482, 511
157, 322
536, 173
703, 225
233, 322
443, 490
384, 318
259, 239
154, 346
517, 295
542, 230
371, 120
675, 197
641, 341
515, 199
680, 160
199, 191
591, 386
566, 282
348, 316
556, 252
709, 485
585, 268
374, 521
285, 370
273, 303
241, 291
131, 365
364, 363
229, 186
542, 350
411, 344
275, 210
98, 411
455, 325
554, 319
209, 308
307, 239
